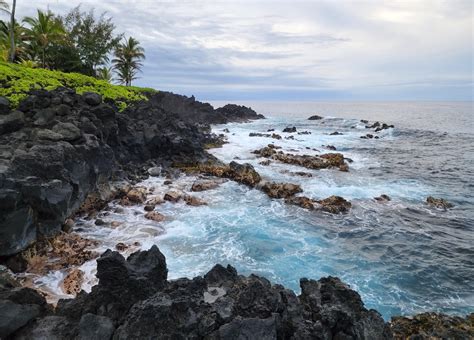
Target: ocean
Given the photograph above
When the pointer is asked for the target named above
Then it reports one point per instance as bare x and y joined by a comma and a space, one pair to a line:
402, 256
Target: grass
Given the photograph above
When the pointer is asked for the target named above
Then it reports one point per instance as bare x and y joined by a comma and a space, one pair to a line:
17, 81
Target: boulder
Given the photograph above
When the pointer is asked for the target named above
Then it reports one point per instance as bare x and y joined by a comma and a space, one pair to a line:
155, 216
44, 117
193, 201
382, 198
244, 173
137, 195
91, 98
315, 117
4, 105
334, 204
69, 131
289, 129
173, 196
95, 327
202, 185
72, 283
439, 203
11, 122
301, 201
13, 316
280, 190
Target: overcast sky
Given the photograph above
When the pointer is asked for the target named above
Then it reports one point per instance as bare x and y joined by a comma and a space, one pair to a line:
297, 50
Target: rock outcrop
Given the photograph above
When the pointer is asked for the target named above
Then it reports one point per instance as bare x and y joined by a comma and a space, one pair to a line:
59, 148
323, 161
134, 300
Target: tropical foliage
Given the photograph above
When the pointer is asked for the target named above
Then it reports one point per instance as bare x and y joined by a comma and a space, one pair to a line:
127, 61
76, 42
16, 81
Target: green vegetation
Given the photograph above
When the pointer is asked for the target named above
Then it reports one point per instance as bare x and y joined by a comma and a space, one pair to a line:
76, 42
16, 81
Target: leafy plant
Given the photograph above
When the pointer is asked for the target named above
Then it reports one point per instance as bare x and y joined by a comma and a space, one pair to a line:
17, 81
127, 61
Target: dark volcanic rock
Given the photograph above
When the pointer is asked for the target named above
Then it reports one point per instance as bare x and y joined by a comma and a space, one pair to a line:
289, 129
237, 113
440, 203
280, 190
335, 204
59, 148
4, 106
133, 300
315, 117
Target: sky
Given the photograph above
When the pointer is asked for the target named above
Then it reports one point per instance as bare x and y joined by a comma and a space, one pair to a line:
297, 50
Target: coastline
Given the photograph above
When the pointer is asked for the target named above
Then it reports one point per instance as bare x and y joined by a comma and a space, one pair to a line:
127, 146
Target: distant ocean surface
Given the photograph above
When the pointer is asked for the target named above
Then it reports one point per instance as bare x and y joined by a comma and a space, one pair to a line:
402, 256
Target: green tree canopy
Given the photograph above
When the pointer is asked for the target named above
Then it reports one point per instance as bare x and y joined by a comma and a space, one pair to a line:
127, 61
93, 38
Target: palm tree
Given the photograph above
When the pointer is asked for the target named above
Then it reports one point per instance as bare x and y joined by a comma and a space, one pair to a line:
105, 73
43, 30
12, 32
127, 61
3, 6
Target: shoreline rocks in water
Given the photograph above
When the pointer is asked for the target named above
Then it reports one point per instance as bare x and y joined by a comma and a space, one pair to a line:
60, 150
323, 161
439, 203
315, 117
134, 299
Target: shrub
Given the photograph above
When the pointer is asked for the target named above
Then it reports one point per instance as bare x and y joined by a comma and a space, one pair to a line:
17, 81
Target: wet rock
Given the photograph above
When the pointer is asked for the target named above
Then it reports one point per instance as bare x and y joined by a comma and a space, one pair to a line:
335, 204
433, 326
173, 196
155, 201
244, 173
384, 127
154, 171
193, 201
149, 207
280, 190
7, 278
68, 225
121, 246
168, 182
265, 162
290, 137
72, 283
257, 134
137, 195
315, 117
311, 162
336, 133
91, 98
155, 216
290, 129
301, 201
99, 222
330, 147
382, 198
95, 327
226, 130
11, 122
202, 185
304, 132
439, 203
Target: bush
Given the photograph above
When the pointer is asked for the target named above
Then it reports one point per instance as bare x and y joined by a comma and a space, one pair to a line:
17, 81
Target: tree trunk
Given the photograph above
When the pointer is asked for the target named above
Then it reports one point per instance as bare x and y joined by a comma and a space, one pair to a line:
12, 33
43, 62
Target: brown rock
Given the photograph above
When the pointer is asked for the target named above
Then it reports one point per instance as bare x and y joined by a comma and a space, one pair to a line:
194, 201
173, 196
382, 198
439, 203
68, 225
302, 201
280, 190
155, 201
137, 195
200, 185
121, 246
155, 216
334, 204
265, 162
72, 283
115, 224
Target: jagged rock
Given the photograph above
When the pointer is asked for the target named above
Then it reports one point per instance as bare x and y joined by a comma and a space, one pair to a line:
238, 113
4, 106
155, 216
289, 129
173, 196
202, 185
301, 201
69, 131
335, 204
95, 327
11, 122
72, 283
382, 198
13, 316
137, 195
315, 117
439, 203
193, 201
433, 326
244, 173
280, 190
91, 98
311, 162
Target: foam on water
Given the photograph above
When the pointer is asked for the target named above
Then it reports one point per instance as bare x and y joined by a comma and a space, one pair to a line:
402, 256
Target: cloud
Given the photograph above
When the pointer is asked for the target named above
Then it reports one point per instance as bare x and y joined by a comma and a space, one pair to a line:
298, 49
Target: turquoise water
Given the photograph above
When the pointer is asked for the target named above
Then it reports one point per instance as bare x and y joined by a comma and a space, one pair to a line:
402, 256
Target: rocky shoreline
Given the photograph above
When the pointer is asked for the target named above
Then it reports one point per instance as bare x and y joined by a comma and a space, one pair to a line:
64, 154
